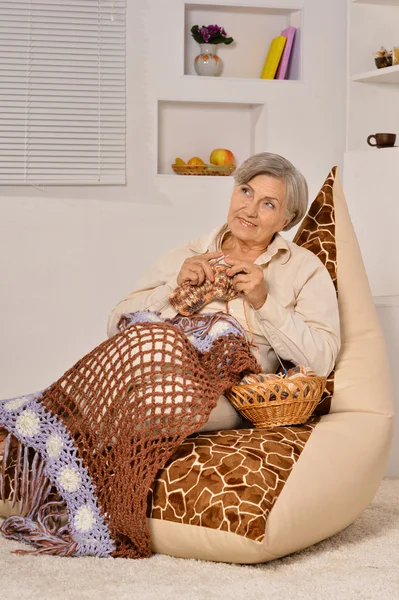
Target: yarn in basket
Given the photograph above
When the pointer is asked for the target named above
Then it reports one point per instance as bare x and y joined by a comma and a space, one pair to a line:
288, 378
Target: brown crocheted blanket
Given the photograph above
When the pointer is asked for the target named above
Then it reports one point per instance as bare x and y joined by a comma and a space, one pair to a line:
91, 444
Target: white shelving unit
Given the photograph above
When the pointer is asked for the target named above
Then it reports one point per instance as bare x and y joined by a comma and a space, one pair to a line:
252, 27
370, 174
371, 108
191, 115
228, 111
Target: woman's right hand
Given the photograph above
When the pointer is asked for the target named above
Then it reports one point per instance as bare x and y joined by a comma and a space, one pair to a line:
197, 268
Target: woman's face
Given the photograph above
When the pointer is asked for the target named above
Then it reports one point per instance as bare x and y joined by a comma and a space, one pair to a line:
258, 210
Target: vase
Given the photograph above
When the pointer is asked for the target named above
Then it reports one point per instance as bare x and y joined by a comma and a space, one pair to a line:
208, 62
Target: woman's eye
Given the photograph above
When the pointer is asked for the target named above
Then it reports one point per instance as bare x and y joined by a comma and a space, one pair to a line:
245, 191
268, 204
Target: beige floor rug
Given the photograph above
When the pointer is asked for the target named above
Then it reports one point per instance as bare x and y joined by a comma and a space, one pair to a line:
361, 562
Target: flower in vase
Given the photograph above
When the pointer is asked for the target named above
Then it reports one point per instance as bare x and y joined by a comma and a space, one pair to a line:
210, 34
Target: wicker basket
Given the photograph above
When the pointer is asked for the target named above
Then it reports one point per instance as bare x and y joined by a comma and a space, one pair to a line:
282, 401
202, 170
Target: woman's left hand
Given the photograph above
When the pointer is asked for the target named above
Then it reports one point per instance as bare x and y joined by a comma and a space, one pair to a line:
248, 279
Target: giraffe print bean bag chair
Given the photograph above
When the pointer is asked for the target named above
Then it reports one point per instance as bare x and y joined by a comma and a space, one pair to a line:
252, 495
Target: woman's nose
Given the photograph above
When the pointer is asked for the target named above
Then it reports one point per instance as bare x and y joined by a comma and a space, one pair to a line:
252, 208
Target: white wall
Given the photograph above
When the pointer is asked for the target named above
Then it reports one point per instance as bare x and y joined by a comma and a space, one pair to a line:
388, 313
370, 183
69, 254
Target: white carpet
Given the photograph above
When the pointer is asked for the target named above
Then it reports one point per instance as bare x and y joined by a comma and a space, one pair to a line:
360, 562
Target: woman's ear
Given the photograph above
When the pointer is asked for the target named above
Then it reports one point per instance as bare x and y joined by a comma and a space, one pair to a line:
288, 221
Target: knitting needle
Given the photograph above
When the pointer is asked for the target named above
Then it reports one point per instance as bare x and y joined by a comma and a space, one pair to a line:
165, 298
279, 360
215, 261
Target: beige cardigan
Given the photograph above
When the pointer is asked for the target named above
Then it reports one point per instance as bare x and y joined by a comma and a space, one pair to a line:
299, 320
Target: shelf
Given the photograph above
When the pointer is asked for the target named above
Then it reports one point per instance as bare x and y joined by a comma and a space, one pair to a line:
187, 128
249, 80
386, 301
386, 75
377, 2
374, 156
252, 27
382, 163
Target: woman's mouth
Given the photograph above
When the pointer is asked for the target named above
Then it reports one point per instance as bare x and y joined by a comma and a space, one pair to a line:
245, 223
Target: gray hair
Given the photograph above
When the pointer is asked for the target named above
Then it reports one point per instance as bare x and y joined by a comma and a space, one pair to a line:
276, 166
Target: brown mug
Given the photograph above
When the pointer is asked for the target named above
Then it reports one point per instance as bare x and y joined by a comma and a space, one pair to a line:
382, 140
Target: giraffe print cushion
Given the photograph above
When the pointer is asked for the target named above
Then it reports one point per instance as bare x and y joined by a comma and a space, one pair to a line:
317, 234
230, 480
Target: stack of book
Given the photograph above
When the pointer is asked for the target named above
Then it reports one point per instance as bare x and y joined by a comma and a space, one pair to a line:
278, 56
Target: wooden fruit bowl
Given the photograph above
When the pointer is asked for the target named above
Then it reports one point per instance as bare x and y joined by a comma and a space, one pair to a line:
203, 169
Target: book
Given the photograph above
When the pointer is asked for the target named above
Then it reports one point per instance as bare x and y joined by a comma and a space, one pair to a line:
273, 57
289, 33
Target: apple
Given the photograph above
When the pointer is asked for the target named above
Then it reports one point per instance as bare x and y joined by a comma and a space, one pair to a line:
222, 157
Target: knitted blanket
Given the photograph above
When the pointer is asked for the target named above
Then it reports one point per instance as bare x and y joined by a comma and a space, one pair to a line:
90, 445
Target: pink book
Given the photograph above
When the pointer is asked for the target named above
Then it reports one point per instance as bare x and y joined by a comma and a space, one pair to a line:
289, 33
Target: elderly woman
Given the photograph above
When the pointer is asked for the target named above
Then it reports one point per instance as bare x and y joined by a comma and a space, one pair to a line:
287, 302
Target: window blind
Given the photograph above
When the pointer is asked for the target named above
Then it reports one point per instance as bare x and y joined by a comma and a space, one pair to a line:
62, 92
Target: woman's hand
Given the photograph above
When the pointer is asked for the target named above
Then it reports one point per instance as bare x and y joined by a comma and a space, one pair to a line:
197, 268
248, 279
